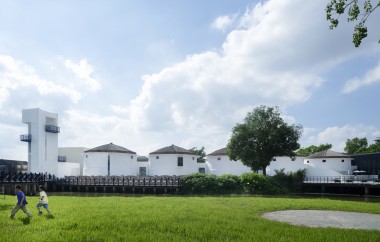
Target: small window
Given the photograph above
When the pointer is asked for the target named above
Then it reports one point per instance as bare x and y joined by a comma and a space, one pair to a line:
323, 160
202, 170
180, 161
293, 158
342, 160
218, 158
157, 157
274, 159
307, 161
193, 157
86, 156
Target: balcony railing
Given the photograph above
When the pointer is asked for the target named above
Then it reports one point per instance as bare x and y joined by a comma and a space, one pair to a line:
26, 137
52, 129
61, 158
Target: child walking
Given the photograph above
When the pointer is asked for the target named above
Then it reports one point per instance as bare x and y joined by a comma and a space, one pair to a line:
43, 202
21, 203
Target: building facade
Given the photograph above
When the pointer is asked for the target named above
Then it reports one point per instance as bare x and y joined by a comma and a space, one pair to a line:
42, 140
218, 163
174, 160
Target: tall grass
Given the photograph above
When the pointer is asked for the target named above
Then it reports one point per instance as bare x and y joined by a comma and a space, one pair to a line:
150, 218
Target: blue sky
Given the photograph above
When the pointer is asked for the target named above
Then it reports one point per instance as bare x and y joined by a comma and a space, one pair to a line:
148, 74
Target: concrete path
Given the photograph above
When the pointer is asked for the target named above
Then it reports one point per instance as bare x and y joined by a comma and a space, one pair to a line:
322, 218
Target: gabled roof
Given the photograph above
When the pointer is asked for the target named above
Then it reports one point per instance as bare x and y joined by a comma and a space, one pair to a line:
173, 150
110, 148
142, 158
328, 154
219, 152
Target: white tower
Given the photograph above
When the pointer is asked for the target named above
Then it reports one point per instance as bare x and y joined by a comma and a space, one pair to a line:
42, 140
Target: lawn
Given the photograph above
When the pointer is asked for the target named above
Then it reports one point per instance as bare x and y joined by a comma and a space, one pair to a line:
174, 218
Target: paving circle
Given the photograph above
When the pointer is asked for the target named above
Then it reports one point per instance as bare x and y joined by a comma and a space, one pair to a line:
322, 218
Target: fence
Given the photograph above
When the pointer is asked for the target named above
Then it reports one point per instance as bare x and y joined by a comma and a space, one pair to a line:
358, 179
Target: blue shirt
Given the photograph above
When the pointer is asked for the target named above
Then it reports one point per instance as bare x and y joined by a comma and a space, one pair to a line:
21, 195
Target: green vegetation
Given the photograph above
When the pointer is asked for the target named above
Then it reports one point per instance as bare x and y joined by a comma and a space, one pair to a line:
313, 149
262, 136
248, 183
152, 218
360, 146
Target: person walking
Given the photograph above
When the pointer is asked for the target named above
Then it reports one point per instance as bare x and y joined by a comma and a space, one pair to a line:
43, 202
21, 203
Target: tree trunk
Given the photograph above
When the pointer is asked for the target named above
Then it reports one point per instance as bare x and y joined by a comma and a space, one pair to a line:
264, 171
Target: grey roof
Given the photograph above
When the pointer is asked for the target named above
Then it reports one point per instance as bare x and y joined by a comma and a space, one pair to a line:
328, 154
172, 150
219, 152
142, 158
111, 148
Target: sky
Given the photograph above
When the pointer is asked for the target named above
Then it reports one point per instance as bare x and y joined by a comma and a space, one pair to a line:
149, 74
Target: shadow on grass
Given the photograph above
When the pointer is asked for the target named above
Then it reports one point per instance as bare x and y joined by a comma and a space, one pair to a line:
6, 207
50, 216
25, 221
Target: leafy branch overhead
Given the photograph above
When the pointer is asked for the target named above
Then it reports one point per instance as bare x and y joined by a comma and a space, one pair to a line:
356, 12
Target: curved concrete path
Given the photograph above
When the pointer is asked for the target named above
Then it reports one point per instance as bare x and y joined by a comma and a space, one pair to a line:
322, 218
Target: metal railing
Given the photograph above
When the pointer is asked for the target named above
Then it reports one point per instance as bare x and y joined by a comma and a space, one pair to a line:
350, 179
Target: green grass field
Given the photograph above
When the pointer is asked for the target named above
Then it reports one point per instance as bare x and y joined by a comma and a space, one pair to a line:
172, 218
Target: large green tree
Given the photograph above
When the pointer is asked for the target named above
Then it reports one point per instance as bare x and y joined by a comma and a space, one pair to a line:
357, 11
313, 149
360, 146
263, 135
356, 146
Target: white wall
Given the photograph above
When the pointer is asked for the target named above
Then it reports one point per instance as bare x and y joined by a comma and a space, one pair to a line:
286, 163
43, 149
221, 164
166, 164
96, 164
332, 166
73, 155
68, 169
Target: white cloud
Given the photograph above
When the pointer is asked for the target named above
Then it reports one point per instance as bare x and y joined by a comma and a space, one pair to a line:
371, 77
16, 74
223, 22
337, 136
84, 71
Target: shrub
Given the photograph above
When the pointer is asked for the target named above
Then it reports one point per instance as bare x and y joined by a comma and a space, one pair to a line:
230, 184
199, 183
292, 180
253, 183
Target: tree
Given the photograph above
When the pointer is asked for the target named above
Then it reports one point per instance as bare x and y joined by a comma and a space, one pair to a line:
360, 146
201, 152
355, 10
356, 146
313, 149
263, 135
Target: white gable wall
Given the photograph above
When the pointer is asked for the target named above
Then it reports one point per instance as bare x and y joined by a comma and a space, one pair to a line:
221, 164
167, 164
286, 163
96, 164
331, 166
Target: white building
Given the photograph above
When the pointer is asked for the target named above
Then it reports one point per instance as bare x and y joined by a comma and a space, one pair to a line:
70, 161
328, 163
110, 160
42, 139
289, 164
218, 163
174, 160
143, 165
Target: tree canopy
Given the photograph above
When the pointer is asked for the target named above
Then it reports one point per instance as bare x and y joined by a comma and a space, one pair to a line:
201, 152
313, 149
360, 146
357, 12
263, 135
